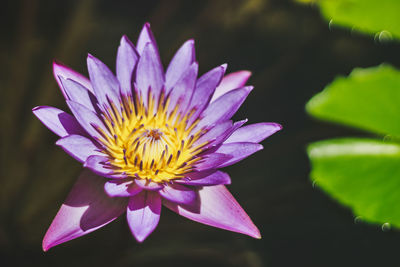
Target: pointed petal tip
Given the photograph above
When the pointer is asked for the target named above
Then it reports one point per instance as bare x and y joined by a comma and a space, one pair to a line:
140, 238
36, 108
224, 66
278, 126
45, 247
57, 63
249, 88
256, 233
125, 39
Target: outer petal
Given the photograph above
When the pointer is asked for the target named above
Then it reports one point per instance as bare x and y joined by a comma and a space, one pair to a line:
145, 36
78, 93
60, 70
179, 194
218, 208
97, 164
143, 214
149, 73
231, 81
105, 84
183, 89
79, 147
238, 151
87, 118
179, 64
86, 209
219, 133
224, 107
206, 178
127, 58
254, 133
205, 87
147, 185
121, 188
58, 121
212, 161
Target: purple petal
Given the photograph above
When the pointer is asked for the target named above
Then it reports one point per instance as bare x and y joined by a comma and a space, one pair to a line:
58, 121
143, 214
60, 70
105, 84
79, 147
179, 64
183, 89
224, 107
121, 188
212, 161
98, 165
127, 58
145, 36
206, 178
86, 209
87, 119
217, 133
148, 185
205, 87
218, 208
179, 194
254, 133
149, 74
230, 82
238, 151
78, 93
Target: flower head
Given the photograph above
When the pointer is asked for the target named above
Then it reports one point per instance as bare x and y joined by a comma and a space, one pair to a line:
149, 138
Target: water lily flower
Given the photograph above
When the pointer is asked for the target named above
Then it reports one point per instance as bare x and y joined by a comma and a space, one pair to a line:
149, 138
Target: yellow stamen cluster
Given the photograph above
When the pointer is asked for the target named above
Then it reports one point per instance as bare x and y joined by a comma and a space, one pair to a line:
150, 142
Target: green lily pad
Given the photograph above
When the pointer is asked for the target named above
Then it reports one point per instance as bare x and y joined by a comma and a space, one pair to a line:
366, 16
368, 99
363, 174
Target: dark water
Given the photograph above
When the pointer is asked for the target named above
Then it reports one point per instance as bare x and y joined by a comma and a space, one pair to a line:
293, 54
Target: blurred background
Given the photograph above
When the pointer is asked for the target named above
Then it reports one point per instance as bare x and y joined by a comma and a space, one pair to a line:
292, 53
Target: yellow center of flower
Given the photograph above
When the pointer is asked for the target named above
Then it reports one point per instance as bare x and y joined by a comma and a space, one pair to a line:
150, 142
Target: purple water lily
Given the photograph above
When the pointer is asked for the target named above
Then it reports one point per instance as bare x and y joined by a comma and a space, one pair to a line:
149, 138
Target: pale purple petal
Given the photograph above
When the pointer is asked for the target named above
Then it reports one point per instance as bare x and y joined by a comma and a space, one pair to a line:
183, 89
238, 151
149, 74
148, 185
78, 93
218, 208
224, 107
86, 209
254, 133
212, 161
205, 87
127, 58
121, 188
58, 121
99, 165
105, 84
179, 194
87, 119
217, 132
206, 178
145, 36
60, 70
79, 147
230, 82
179, 64
143, 214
